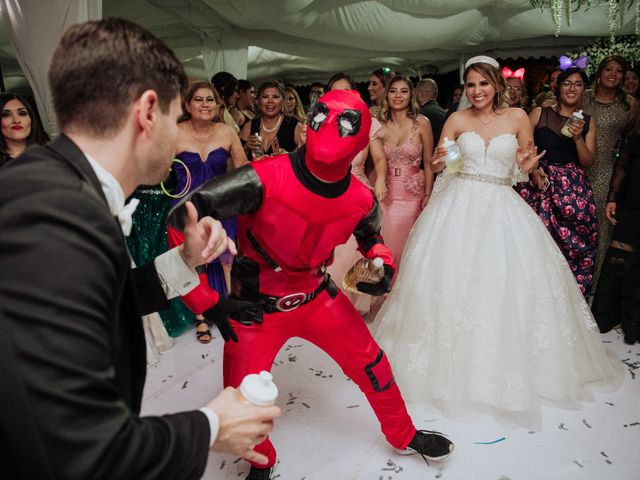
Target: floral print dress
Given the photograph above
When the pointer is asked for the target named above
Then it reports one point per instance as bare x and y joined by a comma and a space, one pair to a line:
567, 207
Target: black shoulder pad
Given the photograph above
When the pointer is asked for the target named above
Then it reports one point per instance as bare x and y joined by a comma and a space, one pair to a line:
234, 193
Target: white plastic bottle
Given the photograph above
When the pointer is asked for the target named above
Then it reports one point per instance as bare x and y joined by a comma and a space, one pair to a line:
575, 117
453, 159
259, 389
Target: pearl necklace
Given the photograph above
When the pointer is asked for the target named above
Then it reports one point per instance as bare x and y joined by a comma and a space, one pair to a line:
271, 130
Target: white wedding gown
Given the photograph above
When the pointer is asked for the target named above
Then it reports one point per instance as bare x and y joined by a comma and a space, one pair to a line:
485, 314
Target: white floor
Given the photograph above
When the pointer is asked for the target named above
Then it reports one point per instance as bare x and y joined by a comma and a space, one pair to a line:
328, 431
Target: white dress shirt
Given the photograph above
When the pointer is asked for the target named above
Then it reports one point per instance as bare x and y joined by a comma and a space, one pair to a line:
176, 277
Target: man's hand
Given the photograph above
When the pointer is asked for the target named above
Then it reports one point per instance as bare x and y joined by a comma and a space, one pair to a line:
242, 426
204, 239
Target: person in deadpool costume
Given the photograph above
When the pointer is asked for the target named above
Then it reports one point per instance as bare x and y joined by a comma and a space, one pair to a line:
294, 210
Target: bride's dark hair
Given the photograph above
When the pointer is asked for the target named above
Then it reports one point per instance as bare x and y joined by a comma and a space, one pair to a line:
496, 79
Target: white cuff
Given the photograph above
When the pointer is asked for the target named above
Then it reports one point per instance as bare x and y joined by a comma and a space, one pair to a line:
175, 276
214, 424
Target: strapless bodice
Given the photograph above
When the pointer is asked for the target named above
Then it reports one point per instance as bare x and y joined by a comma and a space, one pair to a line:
200, 171
496, 158
214, 165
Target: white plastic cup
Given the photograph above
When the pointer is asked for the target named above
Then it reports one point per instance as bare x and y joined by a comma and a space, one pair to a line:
453, 159
575, 117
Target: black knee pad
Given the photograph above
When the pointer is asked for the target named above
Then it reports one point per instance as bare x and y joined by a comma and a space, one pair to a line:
379, 373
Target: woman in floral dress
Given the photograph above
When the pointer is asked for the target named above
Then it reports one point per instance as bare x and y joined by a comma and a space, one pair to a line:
559, 191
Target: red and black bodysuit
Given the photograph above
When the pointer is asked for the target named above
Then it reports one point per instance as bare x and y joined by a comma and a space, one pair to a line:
294, 210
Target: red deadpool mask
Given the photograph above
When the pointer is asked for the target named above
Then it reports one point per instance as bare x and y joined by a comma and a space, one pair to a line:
337, 129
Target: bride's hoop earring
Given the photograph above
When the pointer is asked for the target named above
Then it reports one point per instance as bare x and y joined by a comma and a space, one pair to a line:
187, 185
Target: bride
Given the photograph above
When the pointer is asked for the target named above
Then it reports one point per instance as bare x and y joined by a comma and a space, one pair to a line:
485, 314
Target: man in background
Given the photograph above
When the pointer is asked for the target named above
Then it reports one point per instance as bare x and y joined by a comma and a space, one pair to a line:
426, 94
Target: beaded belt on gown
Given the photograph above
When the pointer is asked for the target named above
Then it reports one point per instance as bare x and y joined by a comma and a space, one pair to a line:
481, 177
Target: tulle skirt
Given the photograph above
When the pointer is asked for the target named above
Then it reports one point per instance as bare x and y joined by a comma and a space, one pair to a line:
485, 314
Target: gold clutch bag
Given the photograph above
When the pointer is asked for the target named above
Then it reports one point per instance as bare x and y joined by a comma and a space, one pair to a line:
364, 270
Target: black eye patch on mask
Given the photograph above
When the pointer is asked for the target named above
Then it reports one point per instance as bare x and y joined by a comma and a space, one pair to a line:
349, 123
317, 115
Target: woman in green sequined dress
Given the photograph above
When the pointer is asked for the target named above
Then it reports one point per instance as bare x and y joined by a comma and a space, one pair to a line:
148, 239
610, 106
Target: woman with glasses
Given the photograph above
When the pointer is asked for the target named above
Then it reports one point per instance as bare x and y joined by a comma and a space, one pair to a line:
517, 93
559, 191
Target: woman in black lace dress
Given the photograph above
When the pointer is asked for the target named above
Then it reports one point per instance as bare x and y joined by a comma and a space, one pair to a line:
617, 299
559, 191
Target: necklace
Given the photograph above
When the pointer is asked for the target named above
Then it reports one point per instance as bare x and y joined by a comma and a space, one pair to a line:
271, 130
201, 140
486, 124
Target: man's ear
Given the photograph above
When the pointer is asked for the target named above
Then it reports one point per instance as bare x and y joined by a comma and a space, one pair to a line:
147, 110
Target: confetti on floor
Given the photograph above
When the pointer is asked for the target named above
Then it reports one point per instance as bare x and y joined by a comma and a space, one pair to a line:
340, 439
491, 442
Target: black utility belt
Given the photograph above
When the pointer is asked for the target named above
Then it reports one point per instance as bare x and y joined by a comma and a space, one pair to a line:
287, 303
293, 300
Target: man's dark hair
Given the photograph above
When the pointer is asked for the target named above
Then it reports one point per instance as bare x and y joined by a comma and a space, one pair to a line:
100, 67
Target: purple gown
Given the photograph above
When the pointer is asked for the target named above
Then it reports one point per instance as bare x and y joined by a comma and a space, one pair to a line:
201, 172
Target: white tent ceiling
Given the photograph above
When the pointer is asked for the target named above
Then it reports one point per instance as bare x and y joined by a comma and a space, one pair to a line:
305, 40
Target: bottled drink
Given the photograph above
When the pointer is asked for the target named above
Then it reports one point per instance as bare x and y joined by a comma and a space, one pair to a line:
259, 389
575, 117
258, 151
364, 270
453, 159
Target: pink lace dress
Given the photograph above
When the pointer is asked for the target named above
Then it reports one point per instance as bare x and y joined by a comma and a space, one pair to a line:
347, 254
405, 184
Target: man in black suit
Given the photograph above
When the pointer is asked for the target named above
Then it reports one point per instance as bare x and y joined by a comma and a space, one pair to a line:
72, 355
426, 95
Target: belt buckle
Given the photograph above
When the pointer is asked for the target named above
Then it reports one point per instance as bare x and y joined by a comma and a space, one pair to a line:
291, 301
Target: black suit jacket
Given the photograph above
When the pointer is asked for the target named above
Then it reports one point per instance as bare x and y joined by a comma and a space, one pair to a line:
435, 113
73, 365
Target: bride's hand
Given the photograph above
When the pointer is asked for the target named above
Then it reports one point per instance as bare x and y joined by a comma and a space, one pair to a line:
527, 158
437, 161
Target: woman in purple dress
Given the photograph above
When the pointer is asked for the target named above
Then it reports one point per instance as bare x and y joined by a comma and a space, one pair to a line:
559, 190
207, 149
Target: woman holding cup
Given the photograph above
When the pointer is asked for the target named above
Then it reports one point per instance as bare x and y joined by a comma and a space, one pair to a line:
559, 190
273, 131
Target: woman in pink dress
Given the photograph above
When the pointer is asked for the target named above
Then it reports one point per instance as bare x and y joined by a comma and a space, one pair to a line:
406, 140
346, 255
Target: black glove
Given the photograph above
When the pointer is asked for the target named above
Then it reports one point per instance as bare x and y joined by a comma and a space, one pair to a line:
380, 288
219, 315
